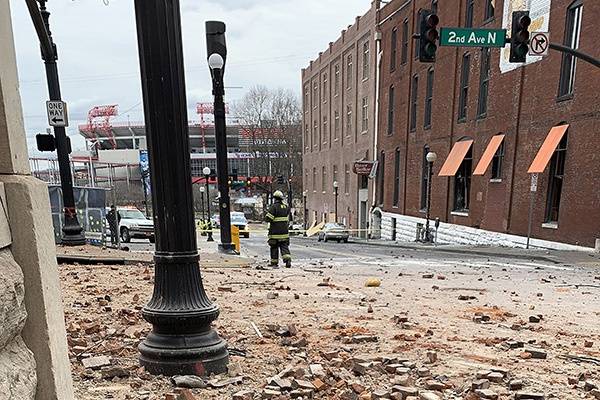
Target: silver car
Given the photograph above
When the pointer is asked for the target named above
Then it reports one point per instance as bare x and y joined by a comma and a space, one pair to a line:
334, 231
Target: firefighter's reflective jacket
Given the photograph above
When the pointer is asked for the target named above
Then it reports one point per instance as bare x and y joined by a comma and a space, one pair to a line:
278, 219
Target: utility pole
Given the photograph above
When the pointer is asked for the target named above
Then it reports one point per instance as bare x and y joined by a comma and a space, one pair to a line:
72, 232
182, 341
217, 53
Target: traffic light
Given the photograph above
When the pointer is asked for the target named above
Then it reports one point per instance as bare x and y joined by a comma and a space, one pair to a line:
519, 38
45, 142
428, 36
280, 180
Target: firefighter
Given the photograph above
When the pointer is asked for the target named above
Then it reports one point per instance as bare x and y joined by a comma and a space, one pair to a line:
279, 237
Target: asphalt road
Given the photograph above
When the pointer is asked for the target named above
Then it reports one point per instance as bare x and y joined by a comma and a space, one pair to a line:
307, 251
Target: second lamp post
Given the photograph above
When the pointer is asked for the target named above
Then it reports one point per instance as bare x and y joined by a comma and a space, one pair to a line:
431, 157
335, 193
206, 172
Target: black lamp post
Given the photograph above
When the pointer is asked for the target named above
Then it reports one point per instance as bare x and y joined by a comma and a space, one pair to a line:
206, 172
431, 157
335, 193
217, 52
72, 232
304, 194
182, 341
202, 210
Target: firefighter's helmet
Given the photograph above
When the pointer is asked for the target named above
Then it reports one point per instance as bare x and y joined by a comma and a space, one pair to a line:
278, 195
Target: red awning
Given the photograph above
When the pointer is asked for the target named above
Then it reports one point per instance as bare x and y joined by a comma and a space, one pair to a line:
545, 154
488, 154
455, 158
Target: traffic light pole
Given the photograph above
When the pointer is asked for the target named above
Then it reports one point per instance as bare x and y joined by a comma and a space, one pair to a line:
182, 341
72, 232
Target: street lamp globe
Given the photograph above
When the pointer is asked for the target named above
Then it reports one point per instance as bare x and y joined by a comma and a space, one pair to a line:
431, 157
206, 171
215, 61
335, 184
202, 189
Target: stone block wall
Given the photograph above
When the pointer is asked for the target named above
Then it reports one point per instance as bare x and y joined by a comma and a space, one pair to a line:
17, 365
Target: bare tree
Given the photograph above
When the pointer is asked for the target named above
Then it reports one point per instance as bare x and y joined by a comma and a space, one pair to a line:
271, 123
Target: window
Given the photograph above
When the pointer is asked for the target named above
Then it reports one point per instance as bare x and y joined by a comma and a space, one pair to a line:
335, 173
324, 133
484, 82
346, 179
381, 177
428, 99
469, 13
464, 87
462, 183
315, 133
569, 63
424, 178
323, 179
365, 115
555, 183
315, 94
306, 136
396, 177
413, 103
349, 72
489, 9
306, 98
324, 88
336, 125
497, 162
393, 44
314, 180
404, 55
416, 42
348, 119
391, 96
336, 82
365, 60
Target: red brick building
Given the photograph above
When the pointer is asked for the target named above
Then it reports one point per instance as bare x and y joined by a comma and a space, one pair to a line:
465, 97
339, 124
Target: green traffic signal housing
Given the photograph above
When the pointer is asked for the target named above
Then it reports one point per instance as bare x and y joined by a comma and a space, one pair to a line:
428, 35
519, 38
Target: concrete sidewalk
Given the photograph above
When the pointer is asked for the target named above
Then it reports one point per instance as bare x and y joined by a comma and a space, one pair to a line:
88, 254
552, 256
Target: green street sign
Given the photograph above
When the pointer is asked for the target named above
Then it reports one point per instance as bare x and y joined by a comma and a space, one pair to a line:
471, 37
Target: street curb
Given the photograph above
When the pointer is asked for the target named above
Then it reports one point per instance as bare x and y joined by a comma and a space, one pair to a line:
72, 259
480, 253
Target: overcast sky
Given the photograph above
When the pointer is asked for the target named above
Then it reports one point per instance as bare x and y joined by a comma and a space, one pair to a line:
269, 41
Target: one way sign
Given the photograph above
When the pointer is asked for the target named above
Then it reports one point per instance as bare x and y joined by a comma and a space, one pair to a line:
57, 113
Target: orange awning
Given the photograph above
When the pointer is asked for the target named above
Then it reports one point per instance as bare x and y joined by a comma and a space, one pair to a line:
488, 154
545, 154
455, 158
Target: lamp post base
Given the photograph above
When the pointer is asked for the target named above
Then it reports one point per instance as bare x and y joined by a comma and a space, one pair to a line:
72, 235
210, 237
227, 248
199, 354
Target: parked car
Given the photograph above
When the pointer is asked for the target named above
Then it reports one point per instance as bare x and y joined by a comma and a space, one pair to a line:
296, 229
134, 224
239, 219
334, 231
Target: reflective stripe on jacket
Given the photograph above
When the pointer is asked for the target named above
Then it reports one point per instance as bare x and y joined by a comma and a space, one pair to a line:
278, 219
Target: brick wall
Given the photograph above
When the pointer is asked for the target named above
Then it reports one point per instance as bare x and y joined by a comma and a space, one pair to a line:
522, 104
323, 145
